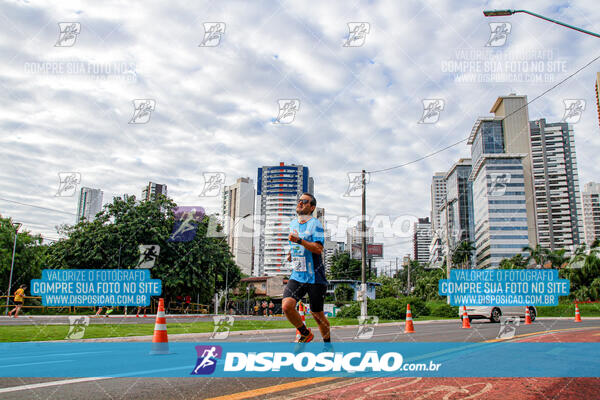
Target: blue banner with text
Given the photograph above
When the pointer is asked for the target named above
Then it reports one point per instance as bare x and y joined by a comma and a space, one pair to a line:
504, 287
96, 287
348, 359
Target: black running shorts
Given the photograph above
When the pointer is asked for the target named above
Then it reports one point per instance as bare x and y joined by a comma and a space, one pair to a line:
316, 293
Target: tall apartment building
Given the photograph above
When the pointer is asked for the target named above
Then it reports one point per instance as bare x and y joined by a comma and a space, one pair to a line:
319, 214
421, 240
499, 194
90, 204
556, 183
153, 189
238, 222
330, 248
438, 198
512, 110
457, 215
278, 189
354, 237
590, 197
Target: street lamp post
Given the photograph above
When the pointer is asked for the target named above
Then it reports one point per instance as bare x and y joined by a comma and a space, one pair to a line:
17, 226
502, 13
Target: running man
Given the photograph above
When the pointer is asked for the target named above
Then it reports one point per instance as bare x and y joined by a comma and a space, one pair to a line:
18, 300
308, 275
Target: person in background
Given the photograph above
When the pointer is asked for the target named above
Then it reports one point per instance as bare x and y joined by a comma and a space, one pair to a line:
271, 307
188, 302
18, 300
140, 309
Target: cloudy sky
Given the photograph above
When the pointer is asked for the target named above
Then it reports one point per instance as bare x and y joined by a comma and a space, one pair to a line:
67, 101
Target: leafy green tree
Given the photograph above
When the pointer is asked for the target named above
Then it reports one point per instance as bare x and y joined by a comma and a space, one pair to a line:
344, 267
426, 286
198, 267
515, 262
461, 256
424, 280
539, 254
583, 271
29, 256
558, 258
343, 293
390, 287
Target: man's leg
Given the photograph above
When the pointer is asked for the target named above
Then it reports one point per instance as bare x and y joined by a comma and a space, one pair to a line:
317, 299
292, 315
323, 323
295, 290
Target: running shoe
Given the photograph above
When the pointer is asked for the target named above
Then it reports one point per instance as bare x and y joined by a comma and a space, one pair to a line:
307, 338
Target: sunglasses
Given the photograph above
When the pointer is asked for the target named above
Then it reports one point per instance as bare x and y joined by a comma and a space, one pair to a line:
303, 201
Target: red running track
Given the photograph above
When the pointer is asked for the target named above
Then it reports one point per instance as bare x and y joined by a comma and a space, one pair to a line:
473, 388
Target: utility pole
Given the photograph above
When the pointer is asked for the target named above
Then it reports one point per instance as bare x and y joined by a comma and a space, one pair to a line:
363, 288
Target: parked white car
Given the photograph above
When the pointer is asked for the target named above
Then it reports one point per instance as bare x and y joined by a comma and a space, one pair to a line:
493, 313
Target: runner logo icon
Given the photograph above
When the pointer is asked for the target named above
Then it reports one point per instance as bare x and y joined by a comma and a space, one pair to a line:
207, 359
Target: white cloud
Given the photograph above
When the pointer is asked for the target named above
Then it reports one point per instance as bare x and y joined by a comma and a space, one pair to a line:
214, 106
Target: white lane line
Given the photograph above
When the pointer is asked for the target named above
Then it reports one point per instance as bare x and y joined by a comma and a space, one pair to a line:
48, 384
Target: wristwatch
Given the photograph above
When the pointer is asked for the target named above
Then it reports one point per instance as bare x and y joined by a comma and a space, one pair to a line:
299, 241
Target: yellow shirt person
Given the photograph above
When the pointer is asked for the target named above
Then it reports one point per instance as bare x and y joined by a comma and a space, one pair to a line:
19, 295
18, 300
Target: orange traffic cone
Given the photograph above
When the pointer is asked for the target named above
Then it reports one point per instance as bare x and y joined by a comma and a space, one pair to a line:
527, 316
160, 341
301, 312
577, 315
409, 327
466, 324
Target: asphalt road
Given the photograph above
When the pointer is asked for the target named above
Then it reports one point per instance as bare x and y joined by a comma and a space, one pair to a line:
284, 388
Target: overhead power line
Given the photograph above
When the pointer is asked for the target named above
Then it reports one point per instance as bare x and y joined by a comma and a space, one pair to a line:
464, 140
33, 205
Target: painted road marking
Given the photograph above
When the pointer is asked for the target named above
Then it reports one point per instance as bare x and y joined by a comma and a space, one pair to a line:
541, 333
47, 384
306, 382
271, 389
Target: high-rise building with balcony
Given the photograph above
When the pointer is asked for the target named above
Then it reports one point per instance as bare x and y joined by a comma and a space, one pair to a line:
556, 182
590, 197
90, 204
499, 195
421, 239
238, 222
152, 190
438, 198
513, 113
278, 189
457, 212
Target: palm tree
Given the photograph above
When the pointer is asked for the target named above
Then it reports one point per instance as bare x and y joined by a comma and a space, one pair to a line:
558, 258
462, 253
539, 254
